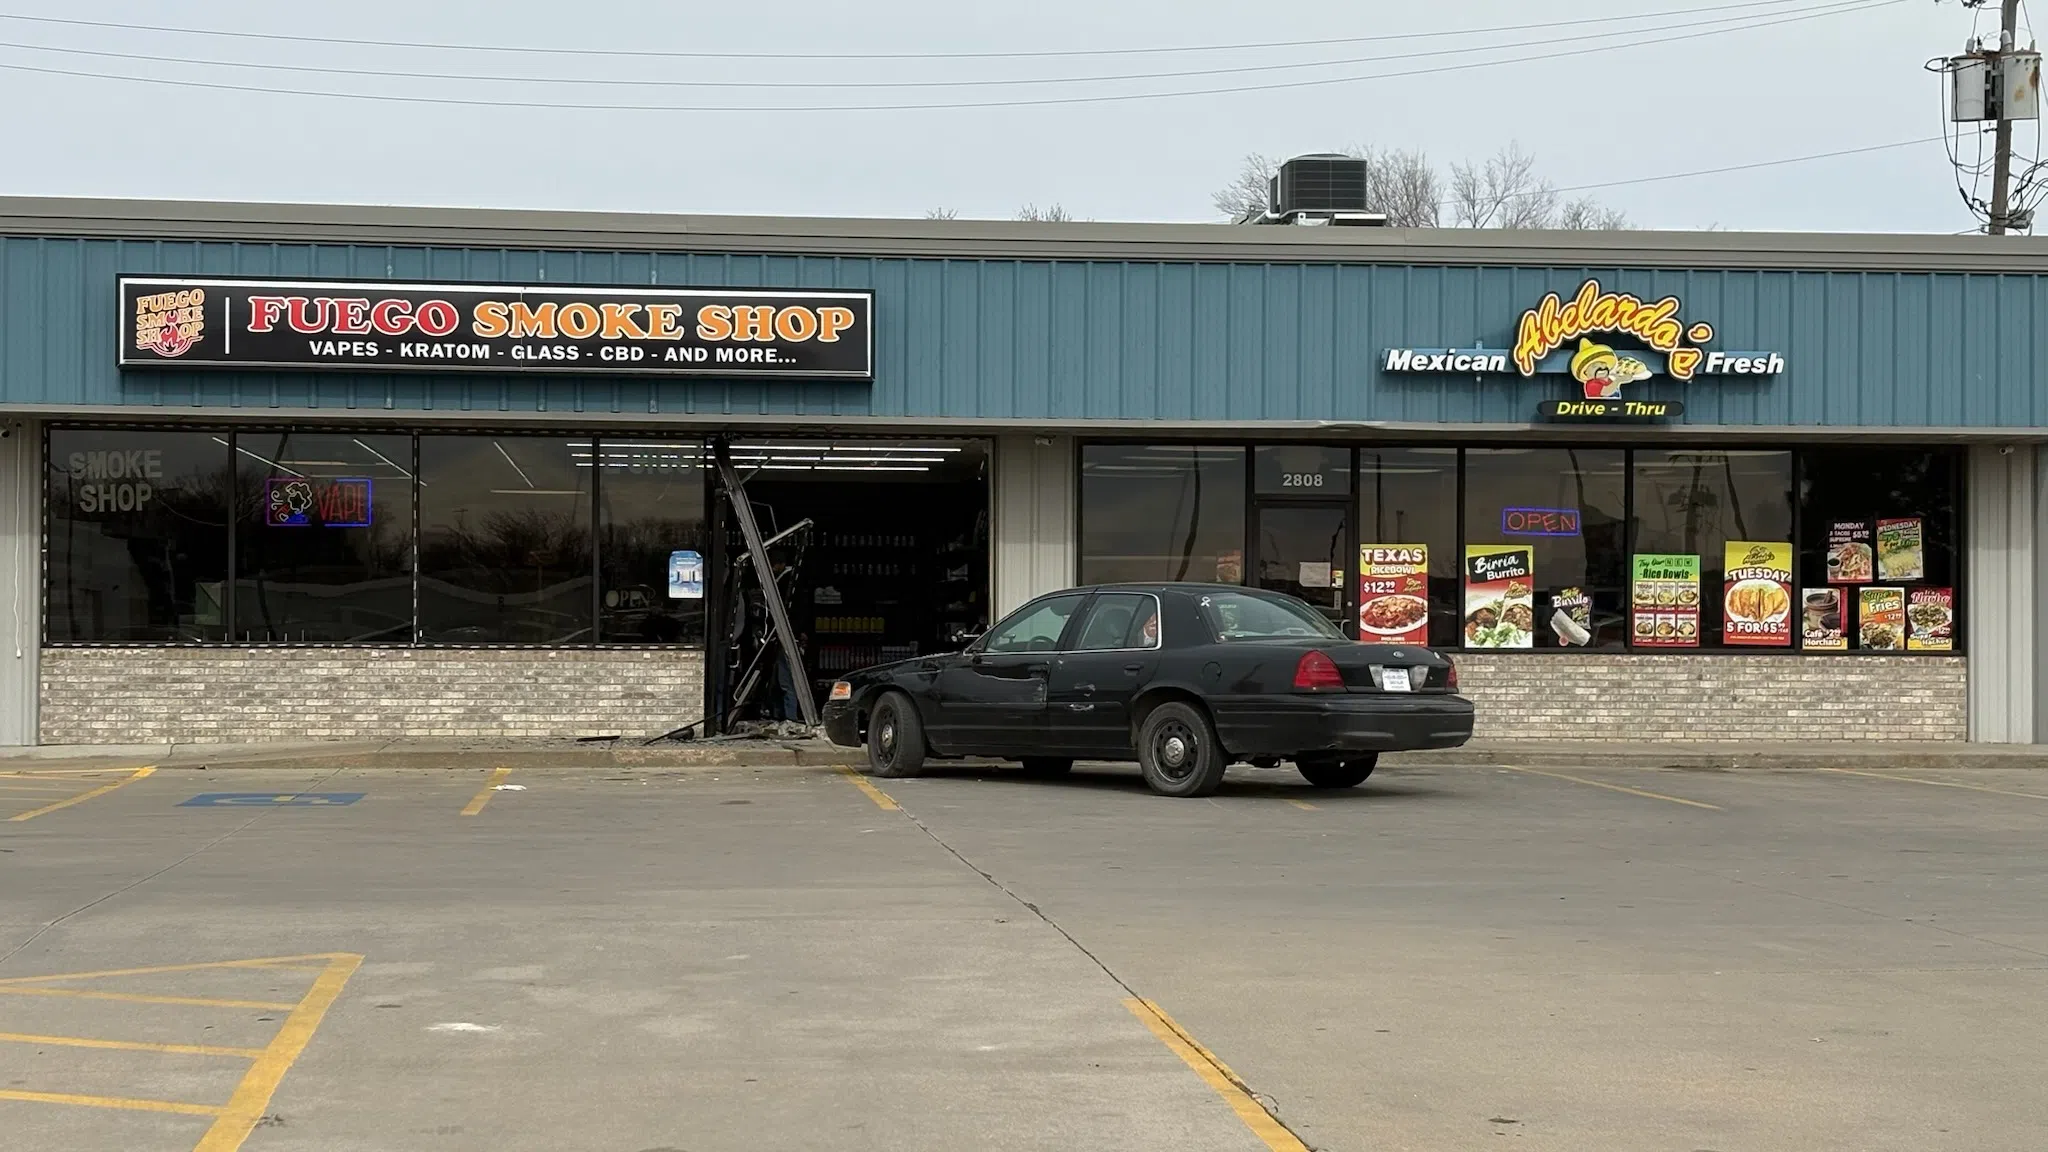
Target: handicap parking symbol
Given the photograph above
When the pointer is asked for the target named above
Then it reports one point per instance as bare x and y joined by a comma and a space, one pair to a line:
271, 799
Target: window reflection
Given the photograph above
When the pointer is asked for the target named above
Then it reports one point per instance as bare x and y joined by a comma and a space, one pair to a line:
137, 536
650, 504
1693, 501
504, 540
1566, 506
1410, 496
323, 537
1162, 512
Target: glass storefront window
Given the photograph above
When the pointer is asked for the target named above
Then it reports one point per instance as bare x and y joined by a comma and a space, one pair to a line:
1694, 501
1564, 508
505, 531
650, 504
1162, 512
1410, 496
323, 538
1877, 517
137, 544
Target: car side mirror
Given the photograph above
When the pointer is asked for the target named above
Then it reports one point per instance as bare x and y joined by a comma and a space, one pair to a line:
966, 639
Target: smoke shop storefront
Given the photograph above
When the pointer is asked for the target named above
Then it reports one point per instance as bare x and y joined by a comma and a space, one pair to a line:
272, 472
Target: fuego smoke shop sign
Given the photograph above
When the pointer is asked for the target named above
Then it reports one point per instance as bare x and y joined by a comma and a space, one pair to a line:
1570, 337
174, 323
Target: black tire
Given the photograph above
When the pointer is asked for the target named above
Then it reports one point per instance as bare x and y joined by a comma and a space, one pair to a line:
895, 738
1348, 773
1047, 766
1179, 752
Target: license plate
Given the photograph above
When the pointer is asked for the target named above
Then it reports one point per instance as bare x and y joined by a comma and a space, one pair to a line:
1394, 680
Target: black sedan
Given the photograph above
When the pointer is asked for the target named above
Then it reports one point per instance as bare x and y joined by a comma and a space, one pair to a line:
1187, 679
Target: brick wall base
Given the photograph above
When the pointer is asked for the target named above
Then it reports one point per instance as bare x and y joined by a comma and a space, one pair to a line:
146, 695
1719, 697
149, 695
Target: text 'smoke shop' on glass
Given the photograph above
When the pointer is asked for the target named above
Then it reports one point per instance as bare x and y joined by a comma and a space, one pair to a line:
187, 323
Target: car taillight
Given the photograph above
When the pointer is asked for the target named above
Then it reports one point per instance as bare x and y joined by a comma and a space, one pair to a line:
1316, 673
841, 690
1451, 681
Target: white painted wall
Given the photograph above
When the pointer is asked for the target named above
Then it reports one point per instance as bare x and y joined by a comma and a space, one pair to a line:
2003, 491
1033, 522
21, 601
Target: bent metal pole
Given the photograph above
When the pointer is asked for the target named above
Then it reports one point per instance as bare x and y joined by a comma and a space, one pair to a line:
771, 592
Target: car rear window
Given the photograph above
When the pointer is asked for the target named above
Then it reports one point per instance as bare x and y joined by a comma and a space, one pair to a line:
1251, 616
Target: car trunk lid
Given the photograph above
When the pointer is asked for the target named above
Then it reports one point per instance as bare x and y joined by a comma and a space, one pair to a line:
1364, 667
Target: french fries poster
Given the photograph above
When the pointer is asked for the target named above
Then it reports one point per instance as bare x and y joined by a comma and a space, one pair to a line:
1756, 601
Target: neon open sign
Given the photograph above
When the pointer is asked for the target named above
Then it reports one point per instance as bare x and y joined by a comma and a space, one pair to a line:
1539, 521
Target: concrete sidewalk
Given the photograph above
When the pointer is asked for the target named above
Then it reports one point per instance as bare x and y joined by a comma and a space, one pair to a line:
815, 753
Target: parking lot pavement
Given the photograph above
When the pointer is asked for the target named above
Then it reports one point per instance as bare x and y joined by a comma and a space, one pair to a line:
1449, 957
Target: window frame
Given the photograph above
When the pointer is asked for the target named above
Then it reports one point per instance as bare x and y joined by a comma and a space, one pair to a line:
1958, 474
1083, 595
412, 432
1088, 610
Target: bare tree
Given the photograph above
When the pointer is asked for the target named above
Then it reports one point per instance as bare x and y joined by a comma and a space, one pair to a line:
1050, 214
942, 213
1505, 191
1245, 196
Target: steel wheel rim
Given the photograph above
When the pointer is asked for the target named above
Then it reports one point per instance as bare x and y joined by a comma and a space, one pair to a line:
1175, 750
885, 737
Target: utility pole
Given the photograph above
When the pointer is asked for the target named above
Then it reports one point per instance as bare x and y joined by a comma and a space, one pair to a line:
2001, 163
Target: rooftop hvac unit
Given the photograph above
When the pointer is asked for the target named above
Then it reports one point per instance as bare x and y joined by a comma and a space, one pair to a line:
1324, 188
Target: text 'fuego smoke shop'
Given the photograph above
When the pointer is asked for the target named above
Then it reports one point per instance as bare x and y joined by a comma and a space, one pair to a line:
276, 472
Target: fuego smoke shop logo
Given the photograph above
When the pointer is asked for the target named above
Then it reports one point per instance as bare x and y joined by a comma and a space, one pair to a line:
170, 323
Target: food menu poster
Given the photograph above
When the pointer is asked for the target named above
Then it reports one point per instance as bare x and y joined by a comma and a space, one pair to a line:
1821, 621
1901, 549
1931, 619
1500, 602
1849, 555
1881, 619
1756, 594
1393, 593
1571, 617
1664, 600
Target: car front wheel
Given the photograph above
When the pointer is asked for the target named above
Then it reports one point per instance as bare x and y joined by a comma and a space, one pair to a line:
895, 738
1178, 751
1338, 773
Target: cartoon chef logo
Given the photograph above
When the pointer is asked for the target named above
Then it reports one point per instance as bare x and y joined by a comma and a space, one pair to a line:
1602, 373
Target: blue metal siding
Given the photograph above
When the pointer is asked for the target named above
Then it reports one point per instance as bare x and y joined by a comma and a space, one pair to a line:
1104, 340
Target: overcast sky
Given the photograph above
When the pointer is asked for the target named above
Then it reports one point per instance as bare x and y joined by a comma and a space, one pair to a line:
1596, 102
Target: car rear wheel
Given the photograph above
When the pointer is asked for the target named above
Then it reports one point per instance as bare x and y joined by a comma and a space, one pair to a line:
1178, 751
895, 738
1047, 766
1338, 773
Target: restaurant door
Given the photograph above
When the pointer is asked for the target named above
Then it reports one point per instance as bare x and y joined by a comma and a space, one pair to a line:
1301, 533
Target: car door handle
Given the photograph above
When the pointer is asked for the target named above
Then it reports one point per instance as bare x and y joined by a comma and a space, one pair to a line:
1134, 668
1085, 689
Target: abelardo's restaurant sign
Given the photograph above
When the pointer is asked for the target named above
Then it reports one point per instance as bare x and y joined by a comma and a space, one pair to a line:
1557, 336
188, 323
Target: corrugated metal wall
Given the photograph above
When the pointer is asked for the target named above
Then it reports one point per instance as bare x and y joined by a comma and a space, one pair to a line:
1078, 340
2002, 569
21, 533
1033, 523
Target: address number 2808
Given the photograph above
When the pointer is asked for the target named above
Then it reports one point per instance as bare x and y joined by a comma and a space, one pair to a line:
1301, 479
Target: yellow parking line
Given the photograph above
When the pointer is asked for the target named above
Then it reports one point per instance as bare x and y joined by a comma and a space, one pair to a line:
1217, 1076
126, 1102
1615, 788
82, 797
1935, 783
139, 998
264, 962
1303, 805
882, 799
253, 1094
130, 1045
483, 794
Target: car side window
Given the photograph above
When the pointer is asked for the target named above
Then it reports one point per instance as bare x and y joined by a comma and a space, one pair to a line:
1035, 629
1120, 620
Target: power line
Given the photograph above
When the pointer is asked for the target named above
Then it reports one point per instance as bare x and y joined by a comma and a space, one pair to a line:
281, 37
1854, 6
1756, 164
1828, 8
